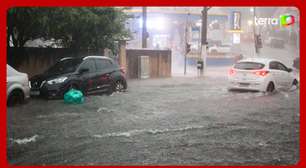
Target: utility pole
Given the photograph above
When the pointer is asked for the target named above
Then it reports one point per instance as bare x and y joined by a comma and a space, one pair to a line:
203, 40
144, 27
254, 30
186, 43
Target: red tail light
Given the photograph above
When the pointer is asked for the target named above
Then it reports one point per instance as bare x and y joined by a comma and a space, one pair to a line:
261, 73
231, 72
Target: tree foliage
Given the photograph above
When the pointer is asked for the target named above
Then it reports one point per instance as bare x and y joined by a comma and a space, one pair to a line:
79, 28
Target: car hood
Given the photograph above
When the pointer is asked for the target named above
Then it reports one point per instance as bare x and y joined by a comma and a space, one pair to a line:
46, 76
20, 77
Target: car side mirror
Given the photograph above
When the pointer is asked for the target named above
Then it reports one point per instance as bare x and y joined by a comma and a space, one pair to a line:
289, 70
83, 70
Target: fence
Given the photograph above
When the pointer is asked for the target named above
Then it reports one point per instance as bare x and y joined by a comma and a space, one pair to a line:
159, 62
36, 60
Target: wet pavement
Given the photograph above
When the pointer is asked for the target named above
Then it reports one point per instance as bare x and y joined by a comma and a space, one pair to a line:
171, 121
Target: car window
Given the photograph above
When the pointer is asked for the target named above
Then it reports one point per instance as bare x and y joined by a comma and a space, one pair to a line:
249, 65
10, 71
64, 66
273, 65
277, 66
102, 64
89, 64
282, 67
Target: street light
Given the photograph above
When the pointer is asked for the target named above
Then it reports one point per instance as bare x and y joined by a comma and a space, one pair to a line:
156, 23
254, 31
252, 9
199, 23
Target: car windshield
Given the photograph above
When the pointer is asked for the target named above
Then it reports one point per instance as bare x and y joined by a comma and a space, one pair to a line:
65, 66
249, 65
10, 71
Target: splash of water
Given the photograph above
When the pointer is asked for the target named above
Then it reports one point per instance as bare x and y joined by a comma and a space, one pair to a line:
146, 131
25, 140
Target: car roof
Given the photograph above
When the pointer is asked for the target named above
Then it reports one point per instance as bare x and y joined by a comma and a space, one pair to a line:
86, 57
96, 56
259, 60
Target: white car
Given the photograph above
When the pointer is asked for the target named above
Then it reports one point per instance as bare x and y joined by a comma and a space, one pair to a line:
261, 74
224, 48
17, 86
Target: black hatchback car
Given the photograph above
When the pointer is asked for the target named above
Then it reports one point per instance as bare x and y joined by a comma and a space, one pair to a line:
90, 74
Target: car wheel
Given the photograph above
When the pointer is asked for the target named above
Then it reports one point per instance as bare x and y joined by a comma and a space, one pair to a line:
71, 86
110, 90
120, 86
16, 97
295, 83
270, 87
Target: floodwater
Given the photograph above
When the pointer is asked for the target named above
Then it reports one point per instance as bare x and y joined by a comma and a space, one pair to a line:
172, 121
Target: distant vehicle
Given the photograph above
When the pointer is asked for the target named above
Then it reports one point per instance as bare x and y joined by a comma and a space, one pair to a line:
261, 74
90, 74
223, 48
213, 42
17, 86
275, 42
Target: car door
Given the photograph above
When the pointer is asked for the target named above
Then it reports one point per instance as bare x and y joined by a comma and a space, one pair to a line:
9, 76
285, 77
276, 73
104, 73
88, 78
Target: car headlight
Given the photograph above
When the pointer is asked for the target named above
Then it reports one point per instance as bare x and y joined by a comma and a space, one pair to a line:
57, 80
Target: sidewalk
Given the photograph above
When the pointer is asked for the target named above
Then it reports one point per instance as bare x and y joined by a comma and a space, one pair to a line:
211, 71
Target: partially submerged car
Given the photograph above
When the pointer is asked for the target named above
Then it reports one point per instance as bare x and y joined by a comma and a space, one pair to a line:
17, 86
220, 49
89, 74
261, 74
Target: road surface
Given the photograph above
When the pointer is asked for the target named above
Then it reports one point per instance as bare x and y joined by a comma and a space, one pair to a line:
171, 121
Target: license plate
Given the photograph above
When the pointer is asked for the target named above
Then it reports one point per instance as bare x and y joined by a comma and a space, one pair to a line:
35, 93
243, 76
244, 84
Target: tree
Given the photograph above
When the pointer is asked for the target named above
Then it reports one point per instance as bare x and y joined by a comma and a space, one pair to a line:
78, 28
24, 24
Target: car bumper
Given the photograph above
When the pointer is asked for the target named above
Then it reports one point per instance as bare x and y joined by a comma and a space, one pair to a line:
48, 91
252, 86
26, 91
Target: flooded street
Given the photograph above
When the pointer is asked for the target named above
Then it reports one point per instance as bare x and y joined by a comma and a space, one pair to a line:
167, 73
171, 121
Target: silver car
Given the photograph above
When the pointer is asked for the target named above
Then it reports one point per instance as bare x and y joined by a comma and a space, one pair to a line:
17, 86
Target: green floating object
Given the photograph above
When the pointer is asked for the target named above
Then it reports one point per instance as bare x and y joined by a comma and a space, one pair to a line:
73, 97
